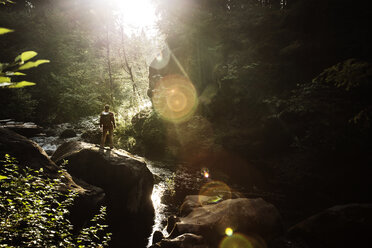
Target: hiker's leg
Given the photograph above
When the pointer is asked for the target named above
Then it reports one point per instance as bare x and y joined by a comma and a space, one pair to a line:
103, 139
111, 130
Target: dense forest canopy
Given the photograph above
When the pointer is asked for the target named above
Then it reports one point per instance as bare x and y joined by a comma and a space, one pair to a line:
100, 52
96, 58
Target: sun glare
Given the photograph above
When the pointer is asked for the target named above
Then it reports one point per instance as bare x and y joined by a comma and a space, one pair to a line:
136, 14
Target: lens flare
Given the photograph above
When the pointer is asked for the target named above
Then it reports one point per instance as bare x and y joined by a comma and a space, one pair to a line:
229, 231
238, 240
175, 98
218, 191
205, 173
162, 59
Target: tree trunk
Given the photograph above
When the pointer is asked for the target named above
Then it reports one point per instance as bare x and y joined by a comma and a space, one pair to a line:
109, 64
127, 68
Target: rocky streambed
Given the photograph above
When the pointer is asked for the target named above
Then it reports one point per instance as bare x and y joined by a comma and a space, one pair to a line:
193, 206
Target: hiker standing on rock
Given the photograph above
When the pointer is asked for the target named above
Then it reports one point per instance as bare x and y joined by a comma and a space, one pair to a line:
107, 123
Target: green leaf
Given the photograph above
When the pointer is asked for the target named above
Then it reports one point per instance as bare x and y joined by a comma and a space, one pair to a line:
5, 30
10, 73
41, 61
22, 84
18, 58
28, 55
3, 177
4, 79
5, 84
32, 64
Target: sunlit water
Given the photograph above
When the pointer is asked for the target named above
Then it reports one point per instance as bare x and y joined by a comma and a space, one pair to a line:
162, 211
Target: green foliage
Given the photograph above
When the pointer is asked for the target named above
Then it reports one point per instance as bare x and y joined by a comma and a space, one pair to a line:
350, 74
170, 183
81, 44
145, 135
5, 2
5, 30
26, 56
21, 84
125, 137
32, 64
33, 212
8, 70
355, 77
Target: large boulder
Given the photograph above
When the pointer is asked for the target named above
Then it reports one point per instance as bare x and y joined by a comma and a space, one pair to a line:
255, 217
339, 226
126, 181
31, 154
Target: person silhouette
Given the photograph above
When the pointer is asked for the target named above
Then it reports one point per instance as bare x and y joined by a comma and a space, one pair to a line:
107, 124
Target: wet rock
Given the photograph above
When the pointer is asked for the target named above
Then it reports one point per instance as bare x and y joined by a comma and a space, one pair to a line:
126, 181
171, 222
26, 152
254, 216
155, 246
50, 132
194, 201
157, 237
31, 154
340, 226
68, 133
92, 136
186, 240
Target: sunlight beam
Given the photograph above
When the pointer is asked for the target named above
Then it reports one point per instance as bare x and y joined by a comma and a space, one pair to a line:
136, 15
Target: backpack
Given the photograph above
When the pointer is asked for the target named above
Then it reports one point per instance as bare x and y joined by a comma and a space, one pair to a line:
106, 119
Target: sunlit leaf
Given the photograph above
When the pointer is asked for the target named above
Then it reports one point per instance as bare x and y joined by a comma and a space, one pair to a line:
4, 79
28, 65
5, 84
5, 30
3, 177
22, 84
28, 55
10, 73
41, 61
32, 64
18, 58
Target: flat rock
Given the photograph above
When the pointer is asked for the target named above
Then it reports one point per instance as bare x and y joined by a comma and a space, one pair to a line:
28, 129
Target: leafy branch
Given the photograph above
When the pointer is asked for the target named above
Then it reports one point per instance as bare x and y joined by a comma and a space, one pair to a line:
9, 70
